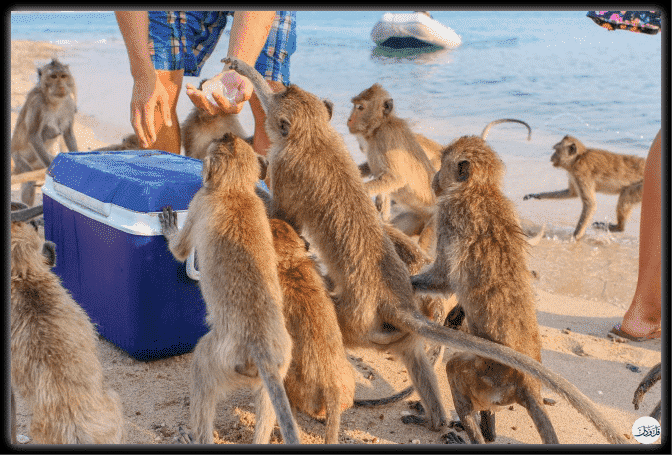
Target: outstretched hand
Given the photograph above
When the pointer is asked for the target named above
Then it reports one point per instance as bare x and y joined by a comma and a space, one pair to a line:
238, 88
147, 94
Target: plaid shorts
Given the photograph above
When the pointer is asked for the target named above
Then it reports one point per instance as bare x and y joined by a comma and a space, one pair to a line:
185, 40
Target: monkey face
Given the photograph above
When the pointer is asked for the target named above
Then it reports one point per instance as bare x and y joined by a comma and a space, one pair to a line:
294, 113
25, 242
369, 109
565, 151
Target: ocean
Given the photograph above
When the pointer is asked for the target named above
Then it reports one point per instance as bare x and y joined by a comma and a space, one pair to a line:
556, 70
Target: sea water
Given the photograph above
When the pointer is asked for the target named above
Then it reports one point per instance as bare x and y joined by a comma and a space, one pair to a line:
556, 70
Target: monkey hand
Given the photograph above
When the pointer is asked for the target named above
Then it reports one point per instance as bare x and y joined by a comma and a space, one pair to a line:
168, 220
530, 196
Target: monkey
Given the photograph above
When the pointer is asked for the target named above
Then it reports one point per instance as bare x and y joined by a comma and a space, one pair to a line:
481, 259
129, 142
593, 170
200, 129
320, 379
248, 343
400, 168
49, 112
54, 360
649, 380
317, 189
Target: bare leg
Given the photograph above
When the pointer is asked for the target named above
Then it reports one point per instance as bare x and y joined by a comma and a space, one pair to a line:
168, 138
643, 316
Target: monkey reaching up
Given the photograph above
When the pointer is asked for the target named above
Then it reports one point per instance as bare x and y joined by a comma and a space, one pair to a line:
592, 170
248, 343
49, 112
317, 189
54, 359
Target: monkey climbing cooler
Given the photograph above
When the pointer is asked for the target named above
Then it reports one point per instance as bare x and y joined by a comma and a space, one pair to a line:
101, 210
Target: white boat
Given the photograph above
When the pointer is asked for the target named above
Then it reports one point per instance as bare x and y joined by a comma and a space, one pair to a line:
416, 29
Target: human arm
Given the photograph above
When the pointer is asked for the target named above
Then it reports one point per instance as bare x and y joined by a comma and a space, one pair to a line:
247, 38
147, 90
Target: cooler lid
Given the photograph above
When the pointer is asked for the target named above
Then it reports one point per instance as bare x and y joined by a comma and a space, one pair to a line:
138, 180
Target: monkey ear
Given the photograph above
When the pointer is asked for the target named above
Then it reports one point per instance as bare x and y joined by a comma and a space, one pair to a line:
211, 165
263, 166
572, 149
388, 105
330, 107
463, 171
284, 126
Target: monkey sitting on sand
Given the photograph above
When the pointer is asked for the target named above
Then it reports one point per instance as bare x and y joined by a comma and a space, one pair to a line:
54, 363
48, 113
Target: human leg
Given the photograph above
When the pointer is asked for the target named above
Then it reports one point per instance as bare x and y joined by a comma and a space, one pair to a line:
643, 316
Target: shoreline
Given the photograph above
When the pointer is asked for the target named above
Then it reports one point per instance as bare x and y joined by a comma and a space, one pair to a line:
577, 282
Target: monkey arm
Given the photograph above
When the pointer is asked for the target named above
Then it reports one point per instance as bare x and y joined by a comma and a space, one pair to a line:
431, 282
36, 141
562, 194
587, 194
70, 140
384, 184
179, 241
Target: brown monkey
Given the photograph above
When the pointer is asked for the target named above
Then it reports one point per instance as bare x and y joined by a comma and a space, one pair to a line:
481, 259
49, 112
200, 129
248, 344
317, 188
320, 379
592, 170
400, 168
649, 380
54, 363
129, 142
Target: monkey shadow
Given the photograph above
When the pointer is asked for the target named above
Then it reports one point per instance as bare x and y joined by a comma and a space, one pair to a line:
425, 54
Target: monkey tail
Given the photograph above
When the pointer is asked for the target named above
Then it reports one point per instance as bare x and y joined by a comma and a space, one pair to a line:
416, 322
261, 87
649, 380
484, 134
276, 392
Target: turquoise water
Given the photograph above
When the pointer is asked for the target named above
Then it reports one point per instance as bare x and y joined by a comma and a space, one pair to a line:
556, 70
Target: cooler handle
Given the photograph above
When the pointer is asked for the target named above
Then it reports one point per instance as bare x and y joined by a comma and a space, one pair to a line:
192, 261
102, 208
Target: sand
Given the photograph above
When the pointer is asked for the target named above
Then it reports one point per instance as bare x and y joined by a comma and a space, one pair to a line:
155, 394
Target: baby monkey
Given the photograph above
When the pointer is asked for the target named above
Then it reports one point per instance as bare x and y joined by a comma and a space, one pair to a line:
592, 170
248, 343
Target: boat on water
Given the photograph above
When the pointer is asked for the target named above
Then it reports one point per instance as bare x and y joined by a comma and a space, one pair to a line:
413, 30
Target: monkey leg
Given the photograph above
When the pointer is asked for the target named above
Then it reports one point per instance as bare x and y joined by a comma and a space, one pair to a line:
487, 425
457, 370
411, 352
28, 193
428, 235
533, 403
629, 197
589, 207
409, 222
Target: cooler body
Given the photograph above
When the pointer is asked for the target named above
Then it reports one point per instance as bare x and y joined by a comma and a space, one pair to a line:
101, 210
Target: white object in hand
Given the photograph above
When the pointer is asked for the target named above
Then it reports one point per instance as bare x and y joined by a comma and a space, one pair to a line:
215, 85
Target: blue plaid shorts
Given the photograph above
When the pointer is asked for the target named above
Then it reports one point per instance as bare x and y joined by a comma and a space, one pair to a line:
185, 40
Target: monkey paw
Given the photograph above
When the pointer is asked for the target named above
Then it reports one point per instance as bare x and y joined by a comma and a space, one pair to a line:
452, 438
184, 438
168, 220
530, 196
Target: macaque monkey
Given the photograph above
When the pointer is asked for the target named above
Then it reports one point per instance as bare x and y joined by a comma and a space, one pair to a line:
320, 380
481, 258
47, 114
248, 343
400, 169
592, 170
54, 359
317, 189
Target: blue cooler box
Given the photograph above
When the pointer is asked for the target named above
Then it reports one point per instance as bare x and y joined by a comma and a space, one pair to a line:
101, 210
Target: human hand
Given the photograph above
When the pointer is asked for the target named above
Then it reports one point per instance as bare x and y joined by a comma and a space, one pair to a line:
148, 92
228, 89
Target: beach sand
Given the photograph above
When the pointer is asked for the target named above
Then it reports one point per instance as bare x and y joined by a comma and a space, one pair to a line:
574, 312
